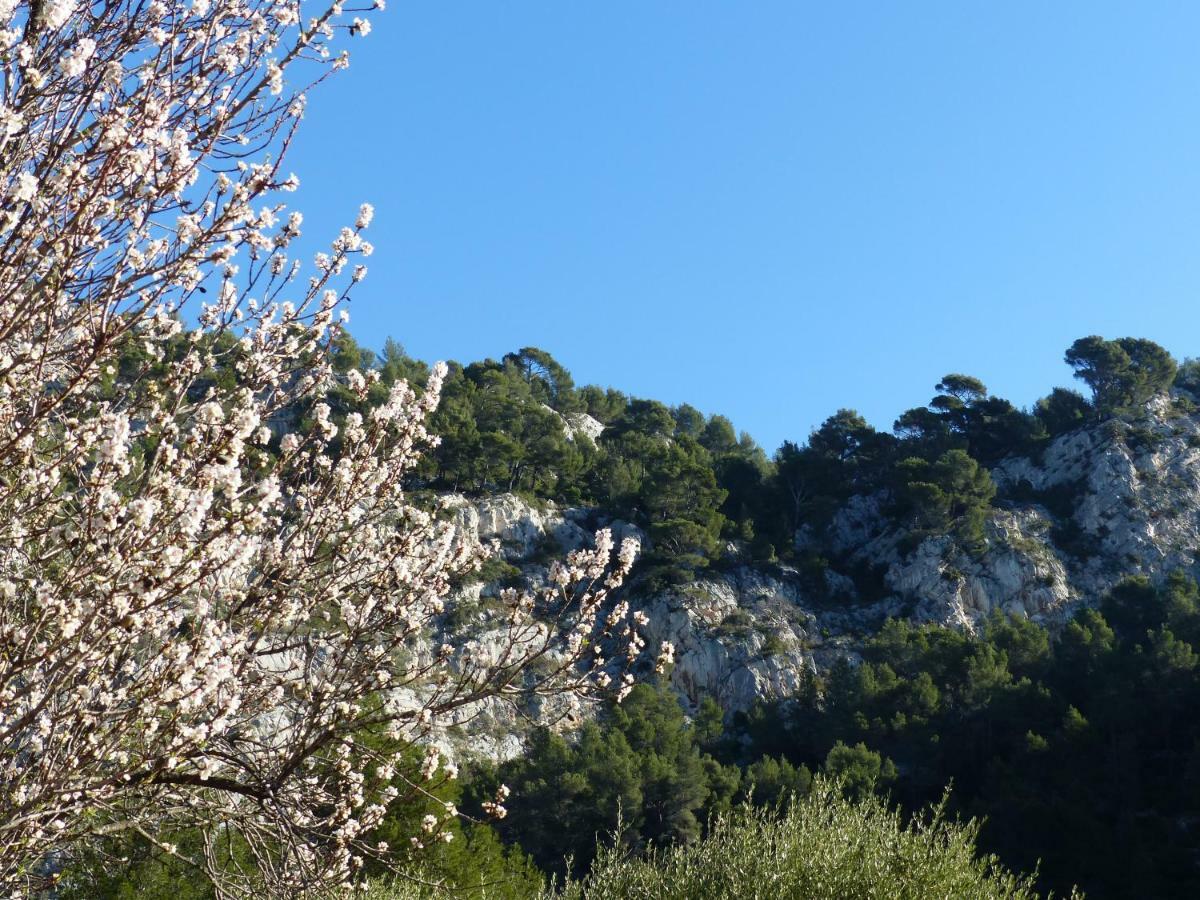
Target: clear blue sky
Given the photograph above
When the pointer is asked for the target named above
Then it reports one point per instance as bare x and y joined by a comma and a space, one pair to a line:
770, 209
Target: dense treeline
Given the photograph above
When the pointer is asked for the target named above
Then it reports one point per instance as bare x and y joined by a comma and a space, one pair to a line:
705, 494
1081, 754
638, 806
645, 776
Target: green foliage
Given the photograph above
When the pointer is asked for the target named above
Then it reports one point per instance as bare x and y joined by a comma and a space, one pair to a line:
473, 863
504, 427
396, 365
642, 776
1079, 752
860, 771
1123, 374
842, 457
820, 847
1062, 410
705, 495
602, 405
953, 492
964, 416
655, 470
549, 383
1187, 377
709, 724
815, 845
145, 874
495, 570
772, 781
499, 433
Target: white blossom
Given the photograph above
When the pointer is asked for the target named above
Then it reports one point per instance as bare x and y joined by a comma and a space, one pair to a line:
27, 185
75, 62
55, 13
185, 601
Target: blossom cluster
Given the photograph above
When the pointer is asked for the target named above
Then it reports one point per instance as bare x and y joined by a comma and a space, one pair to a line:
203, 605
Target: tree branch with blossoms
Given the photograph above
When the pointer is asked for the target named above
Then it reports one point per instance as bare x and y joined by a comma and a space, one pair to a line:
202, 606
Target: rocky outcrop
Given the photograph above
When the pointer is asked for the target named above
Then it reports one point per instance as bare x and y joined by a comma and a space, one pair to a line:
1019, 573
1098, 504
577, 425
745, 636
1125, 497
520, 528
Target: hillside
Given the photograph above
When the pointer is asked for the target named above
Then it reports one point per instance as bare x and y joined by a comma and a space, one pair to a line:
997, 599
1098, 504
1000, 598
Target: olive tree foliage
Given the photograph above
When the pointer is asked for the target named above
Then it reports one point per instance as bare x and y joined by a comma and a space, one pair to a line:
821, 846
202, 606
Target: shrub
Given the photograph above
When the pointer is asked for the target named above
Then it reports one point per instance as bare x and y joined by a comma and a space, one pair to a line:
821, 846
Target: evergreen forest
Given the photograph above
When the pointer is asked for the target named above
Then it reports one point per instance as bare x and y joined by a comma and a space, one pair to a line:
1069, 756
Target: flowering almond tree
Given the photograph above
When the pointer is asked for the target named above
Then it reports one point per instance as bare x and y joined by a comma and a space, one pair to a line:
202, 606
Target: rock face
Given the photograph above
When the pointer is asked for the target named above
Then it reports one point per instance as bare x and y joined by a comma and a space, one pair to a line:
1101, 503
1128, 496
581, 423
527, 536
520, 528
578, 424
745, 636
1019, 573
